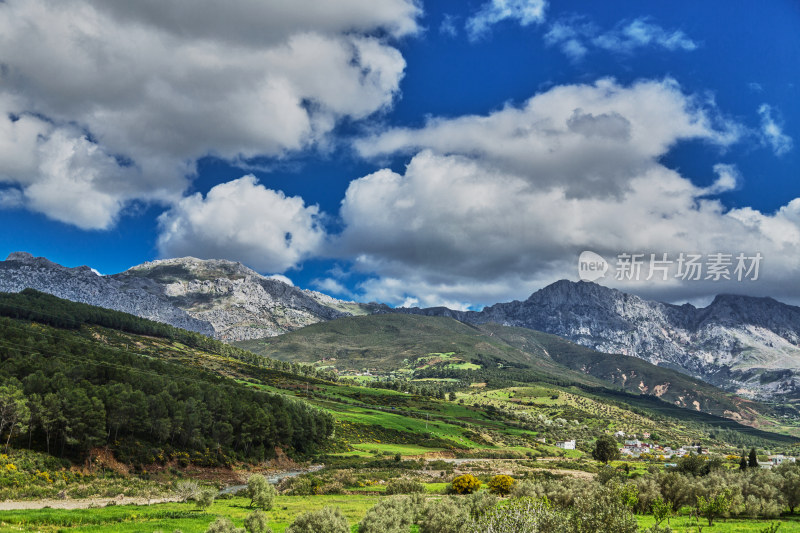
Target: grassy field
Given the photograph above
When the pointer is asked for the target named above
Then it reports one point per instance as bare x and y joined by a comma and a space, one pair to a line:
171, 516
687, 524
186, 517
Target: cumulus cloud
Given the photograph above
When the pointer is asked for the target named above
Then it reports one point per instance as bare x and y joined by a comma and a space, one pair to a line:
282, 279
525, 12
588, 139
243, 221
772, 132
728, 178
575, 37
58, 171
493, 207
331, 286
128, 95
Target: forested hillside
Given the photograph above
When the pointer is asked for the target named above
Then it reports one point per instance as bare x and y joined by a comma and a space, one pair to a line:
66, 394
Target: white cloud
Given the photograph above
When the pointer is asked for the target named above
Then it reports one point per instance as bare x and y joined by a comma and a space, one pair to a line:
282, 279
10, 198
728, 178
590, 139
243, 221
57, 171
772, 133
640, 33
448, 26
525, 12
492, 207
331, 286
160, 84
571, 36
575, 37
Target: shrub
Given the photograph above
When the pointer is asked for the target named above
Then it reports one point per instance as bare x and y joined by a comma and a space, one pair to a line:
404, 486
390, 515
564, 492
298, 486
223, 525
261, 492
526, 515
526, 489
256, 522
465, 484
205, 498
444, 516
604, 509
607, 474
648, 493
334, 487
345, 478
478, 503
186, 490
762, 493
326, 520
502, 484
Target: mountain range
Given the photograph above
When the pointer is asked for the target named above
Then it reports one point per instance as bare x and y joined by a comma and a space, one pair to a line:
746, 345
742, 344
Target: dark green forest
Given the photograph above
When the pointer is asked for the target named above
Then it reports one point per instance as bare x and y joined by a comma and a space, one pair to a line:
63, 394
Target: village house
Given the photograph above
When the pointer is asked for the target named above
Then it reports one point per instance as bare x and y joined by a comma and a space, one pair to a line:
779, 459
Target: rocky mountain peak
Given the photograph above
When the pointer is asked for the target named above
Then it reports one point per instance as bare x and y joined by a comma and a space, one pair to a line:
193, 268
28, 259
216, 297
564, 292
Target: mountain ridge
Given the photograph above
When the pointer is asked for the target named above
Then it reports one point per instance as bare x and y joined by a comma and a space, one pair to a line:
220, 298
736, 342
746, 345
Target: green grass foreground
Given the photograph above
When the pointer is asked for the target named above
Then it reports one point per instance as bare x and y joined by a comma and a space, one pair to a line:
184, 516
687, 524
168, 517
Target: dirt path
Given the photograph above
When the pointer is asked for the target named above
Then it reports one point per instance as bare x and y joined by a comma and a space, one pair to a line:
86, 503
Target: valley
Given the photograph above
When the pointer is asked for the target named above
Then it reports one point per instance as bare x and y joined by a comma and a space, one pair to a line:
424, 398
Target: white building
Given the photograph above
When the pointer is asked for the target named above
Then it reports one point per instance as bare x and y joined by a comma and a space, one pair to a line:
566, 444
777, 460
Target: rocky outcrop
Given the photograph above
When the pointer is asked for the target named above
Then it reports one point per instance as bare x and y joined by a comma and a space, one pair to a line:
239, 303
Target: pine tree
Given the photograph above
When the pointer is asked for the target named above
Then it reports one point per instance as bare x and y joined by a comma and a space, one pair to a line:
753, 459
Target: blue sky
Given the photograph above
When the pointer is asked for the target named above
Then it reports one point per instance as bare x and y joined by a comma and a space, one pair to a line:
452, 152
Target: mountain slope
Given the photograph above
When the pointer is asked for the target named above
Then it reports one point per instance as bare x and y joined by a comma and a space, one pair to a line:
634, 375
743, 344
213, 297
85, 377
428, 346
389, 342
